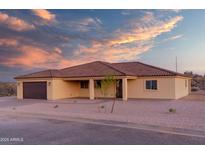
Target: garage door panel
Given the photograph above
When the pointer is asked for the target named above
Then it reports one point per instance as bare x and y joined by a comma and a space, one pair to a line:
35, 90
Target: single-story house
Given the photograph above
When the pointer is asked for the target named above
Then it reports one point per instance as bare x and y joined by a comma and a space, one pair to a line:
134, 80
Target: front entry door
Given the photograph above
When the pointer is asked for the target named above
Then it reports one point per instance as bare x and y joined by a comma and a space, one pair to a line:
119, 88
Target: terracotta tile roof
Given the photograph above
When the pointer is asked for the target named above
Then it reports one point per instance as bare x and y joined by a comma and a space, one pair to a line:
141, 69
94, 69
99, 69
41, 74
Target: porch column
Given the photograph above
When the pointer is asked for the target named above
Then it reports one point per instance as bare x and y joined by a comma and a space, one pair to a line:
91, 89
19, 90
124, 89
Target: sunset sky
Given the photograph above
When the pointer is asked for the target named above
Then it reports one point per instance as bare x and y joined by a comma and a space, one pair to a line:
33, 40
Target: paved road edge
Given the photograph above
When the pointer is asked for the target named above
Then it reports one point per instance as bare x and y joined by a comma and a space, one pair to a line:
154, 128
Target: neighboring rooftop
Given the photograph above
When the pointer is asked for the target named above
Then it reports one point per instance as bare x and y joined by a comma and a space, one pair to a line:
100, 69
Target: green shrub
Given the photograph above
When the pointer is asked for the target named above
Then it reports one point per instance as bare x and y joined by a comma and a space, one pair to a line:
171, 110
102, 106
56, 106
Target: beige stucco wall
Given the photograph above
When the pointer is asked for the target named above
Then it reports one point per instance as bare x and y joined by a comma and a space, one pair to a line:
83, 92
181, 88
136, 88
19, 90
168, 88
61, 89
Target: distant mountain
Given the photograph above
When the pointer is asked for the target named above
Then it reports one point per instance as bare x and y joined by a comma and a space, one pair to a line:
7, 89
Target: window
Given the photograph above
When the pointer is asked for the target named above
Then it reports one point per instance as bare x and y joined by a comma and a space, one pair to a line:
98, 84
84, 84
151, 84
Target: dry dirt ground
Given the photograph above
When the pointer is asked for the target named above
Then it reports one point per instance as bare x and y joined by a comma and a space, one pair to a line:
189, 110
196, 96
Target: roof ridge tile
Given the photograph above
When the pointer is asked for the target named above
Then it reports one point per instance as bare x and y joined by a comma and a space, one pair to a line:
110, 65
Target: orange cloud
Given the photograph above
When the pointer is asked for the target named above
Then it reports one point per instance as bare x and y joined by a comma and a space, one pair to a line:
31, 56
44, 14
8, 42
95, 46
126, 53
144, 33
15, 23
125, 44
36, 57
58, 50
129, 44
106, 52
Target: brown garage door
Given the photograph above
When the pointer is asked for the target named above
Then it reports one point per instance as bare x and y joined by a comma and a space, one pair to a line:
35, 90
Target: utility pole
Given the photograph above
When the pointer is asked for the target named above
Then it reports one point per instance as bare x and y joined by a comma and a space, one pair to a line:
176, 64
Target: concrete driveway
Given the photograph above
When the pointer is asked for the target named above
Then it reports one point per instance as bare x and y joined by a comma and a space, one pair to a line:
189, 112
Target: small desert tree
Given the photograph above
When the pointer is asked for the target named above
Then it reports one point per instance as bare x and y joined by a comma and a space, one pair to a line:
98, 87
108, 82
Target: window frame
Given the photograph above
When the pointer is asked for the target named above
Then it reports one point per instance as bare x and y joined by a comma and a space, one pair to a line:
150, 85
84, 84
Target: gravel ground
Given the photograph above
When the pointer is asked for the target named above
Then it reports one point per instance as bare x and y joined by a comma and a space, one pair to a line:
189, 111
15, 130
